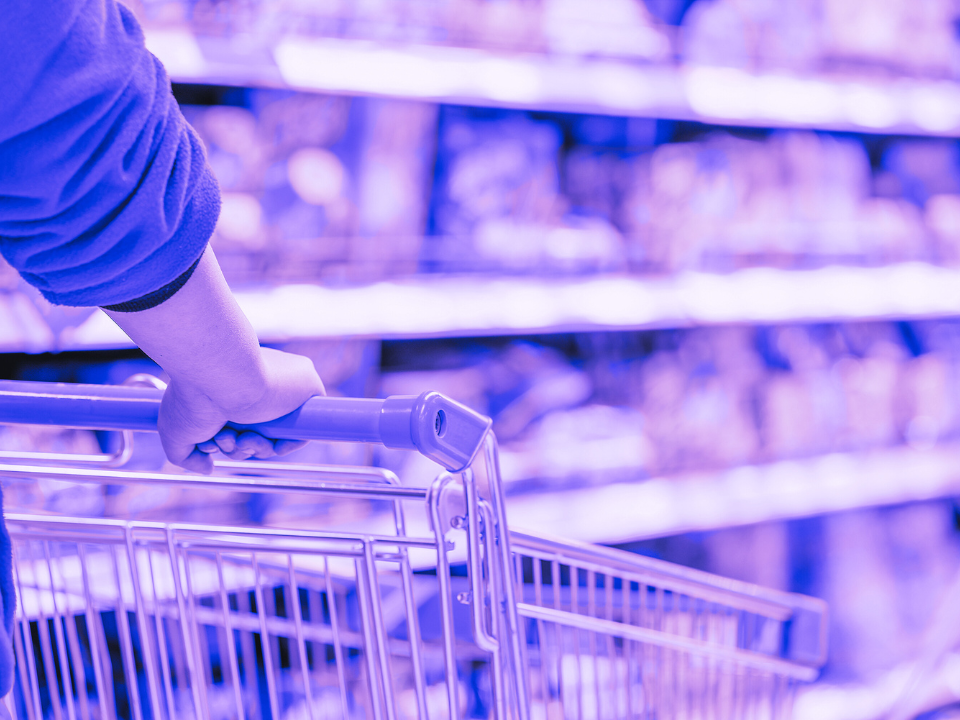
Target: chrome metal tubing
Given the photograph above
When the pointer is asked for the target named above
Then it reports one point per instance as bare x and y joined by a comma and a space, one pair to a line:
744, 658
675, 578
231, 641
484, 640
496, 579
606, 634
514, 630
443, 430
446, 594
365, 484
370, 641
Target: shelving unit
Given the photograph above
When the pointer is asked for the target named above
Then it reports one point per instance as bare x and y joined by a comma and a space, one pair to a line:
749, 494
473, 306
842, 102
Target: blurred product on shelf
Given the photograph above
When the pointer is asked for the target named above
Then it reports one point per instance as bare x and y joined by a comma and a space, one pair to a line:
317, 187
618, 28
588, 410
792, 199
523, 192
824, 35
497, 203
336, 190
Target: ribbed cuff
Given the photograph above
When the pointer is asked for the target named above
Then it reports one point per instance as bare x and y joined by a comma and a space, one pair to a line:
157, 296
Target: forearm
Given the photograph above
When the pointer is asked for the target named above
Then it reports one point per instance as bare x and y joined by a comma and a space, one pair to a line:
202, 339
218, 371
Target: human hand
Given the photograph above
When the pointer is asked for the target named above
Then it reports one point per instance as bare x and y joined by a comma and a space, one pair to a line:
195, 409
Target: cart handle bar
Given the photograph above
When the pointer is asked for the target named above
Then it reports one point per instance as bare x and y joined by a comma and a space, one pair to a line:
445, 431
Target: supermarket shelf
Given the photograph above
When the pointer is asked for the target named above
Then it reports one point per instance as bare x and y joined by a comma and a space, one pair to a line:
464, 306
660, 507
565, 83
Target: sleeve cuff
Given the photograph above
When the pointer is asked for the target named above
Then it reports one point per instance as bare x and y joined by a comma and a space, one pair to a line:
156, 297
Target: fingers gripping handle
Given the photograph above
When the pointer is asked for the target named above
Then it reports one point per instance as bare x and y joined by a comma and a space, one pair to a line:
443, 430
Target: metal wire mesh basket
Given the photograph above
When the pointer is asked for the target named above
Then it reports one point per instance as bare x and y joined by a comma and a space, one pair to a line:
147, 620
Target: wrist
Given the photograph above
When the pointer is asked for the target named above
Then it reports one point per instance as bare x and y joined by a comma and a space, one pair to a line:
203, 341
231, 390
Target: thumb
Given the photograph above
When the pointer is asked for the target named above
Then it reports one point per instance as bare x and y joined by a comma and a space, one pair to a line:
197, 461
180, 448
185, 454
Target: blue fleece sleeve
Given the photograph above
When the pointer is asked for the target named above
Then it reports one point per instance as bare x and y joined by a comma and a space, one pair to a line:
8, 599
105, 193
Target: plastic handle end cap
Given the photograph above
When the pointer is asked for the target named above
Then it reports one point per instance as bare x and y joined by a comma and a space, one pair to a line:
447, 432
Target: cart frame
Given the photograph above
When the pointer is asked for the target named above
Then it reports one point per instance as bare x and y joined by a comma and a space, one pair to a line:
563, 629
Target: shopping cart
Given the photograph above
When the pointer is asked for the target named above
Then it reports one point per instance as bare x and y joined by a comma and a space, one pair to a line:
143, 620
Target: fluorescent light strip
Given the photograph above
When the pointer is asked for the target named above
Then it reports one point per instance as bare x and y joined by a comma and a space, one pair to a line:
440, 306
621, 512
606, 86
617, 87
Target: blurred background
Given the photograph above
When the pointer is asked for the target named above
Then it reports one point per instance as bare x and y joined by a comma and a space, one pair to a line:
700, 261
